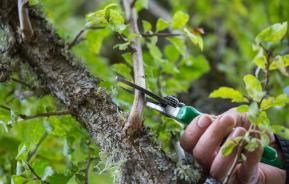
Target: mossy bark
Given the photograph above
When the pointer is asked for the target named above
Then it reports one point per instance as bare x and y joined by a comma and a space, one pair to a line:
139, 159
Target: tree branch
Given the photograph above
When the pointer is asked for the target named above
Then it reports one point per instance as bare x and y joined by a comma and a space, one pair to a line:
39, 115
137, 161
77, 38
34, 173
161, 34
135, 119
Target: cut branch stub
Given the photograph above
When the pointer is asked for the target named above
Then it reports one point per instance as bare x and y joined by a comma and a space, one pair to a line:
25, 24
135, 120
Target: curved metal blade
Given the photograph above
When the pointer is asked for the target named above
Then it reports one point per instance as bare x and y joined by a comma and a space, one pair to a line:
151, 94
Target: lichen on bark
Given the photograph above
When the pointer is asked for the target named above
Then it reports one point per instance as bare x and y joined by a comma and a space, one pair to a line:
138, 160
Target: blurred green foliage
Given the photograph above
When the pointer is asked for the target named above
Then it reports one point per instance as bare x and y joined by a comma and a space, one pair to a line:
59, 150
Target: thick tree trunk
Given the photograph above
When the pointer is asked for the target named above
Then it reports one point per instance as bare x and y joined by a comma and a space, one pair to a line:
139, 160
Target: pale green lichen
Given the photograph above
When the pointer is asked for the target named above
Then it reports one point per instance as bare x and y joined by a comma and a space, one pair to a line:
187, 173
7, 40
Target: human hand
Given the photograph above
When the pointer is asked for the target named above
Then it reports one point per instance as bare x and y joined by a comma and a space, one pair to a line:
204, 137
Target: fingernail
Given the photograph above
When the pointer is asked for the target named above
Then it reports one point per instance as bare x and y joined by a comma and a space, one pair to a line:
204, 121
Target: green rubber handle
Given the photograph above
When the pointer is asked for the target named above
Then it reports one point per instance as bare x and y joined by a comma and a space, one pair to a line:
270, 155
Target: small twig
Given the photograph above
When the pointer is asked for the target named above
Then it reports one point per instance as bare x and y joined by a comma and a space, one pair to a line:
161, 34
27, 32
79, 35
34, 173
40, 115
239, 152
235, 162
33, 152
22, 82
87, 170
47, 114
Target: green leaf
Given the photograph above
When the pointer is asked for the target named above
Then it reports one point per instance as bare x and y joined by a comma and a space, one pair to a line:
161, 25
147, 26
280, 62
59, 178
253, 112
281, 131
280, 100
243, 108
260, 59
179, 45
284, 59
252, 145
141, 4
228, 93
122, 69
155, 52
229, 146
262, 120
33, 2
3, 124
253, 87
273, 33
18, 179
265, 138
23, 151
109, 16
122, 46
180, 19
195, 38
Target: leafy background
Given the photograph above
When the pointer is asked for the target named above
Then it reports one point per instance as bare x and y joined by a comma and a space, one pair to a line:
60, 151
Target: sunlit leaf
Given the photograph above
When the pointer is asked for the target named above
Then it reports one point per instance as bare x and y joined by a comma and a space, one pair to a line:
260, 59
273, 33
195, 38
280, 100
161, 25
141, 4
253, 112
229, 146
180, 19
228, 93
281, 131
147, 26
262, 120
243, 108
253, 87
280, 62
277, 61
23, 151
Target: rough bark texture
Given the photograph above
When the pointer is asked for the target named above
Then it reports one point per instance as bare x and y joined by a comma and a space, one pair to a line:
140, 160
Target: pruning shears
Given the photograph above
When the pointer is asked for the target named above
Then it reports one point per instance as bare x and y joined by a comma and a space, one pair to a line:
170, 106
